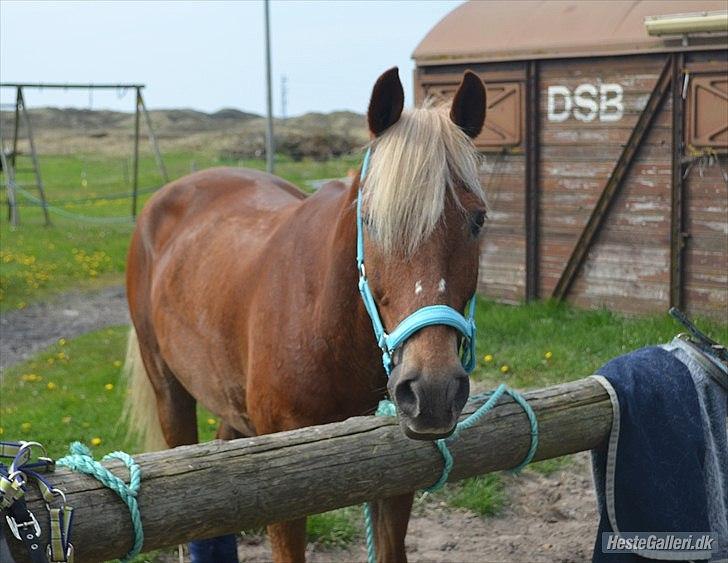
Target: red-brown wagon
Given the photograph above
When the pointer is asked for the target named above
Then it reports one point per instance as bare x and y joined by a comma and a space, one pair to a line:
606, 147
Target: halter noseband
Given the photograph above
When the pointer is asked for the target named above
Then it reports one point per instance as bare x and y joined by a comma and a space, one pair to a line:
421, 318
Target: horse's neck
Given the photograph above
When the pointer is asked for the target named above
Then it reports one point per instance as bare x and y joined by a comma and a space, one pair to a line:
344, 322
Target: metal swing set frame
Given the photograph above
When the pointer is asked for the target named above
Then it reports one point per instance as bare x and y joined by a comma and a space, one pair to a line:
8, 157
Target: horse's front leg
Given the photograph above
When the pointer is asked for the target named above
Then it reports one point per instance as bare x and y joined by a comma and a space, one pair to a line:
391, 516
288, 541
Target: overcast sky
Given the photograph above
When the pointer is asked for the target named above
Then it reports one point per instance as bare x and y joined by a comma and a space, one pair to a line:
209, 55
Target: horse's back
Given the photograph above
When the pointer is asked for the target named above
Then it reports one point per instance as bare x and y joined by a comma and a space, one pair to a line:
213, 194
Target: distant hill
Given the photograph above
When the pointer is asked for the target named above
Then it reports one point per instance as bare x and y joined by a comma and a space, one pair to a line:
68, 130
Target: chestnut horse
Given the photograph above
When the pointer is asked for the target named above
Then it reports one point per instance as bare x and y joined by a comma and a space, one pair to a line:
243, 293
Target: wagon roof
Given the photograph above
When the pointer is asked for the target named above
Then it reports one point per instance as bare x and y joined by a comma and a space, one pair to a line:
501, 30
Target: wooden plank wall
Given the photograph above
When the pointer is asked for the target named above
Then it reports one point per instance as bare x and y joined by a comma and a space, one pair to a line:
628, 266
706, 256
503, 251
706, 217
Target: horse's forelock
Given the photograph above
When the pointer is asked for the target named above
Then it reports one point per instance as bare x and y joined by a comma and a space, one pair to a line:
414, 165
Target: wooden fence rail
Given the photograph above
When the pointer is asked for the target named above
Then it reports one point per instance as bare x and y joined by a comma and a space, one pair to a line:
210, 489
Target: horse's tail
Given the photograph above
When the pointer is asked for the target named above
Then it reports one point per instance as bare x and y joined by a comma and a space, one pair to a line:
140, 406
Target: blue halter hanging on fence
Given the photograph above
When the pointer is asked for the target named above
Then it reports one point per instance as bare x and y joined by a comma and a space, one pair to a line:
421, 318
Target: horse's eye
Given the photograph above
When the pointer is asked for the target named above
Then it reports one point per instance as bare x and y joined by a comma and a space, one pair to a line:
477, 220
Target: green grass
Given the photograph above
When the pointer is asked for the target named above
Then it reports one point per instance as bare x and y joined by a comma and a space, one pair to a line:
337, 528
548, 467
520, 338
485, 495
72, 391
38, 261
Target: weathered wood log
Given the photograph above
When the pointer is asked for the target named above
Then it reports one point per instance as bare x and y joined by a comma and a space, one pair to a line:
221, 487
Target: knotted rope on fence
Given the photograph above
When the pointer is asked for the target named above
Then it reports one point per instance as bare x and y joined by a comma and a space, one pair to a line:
80, 460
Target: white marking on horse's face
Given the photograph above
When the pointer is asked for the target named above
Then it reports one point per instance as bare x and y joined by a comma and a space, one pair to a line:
441, 286
418, 287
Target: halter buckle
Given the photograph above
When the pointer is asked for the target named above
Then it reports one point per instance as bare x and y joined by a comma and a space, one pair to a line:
16, 528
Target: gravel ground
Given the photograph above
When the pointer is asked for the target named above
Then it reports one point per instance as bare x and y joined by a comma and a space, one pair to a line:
27, 331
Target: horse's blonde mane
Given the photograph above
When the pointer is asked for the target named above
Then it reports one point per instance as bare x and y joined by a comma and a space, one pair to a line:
414, 165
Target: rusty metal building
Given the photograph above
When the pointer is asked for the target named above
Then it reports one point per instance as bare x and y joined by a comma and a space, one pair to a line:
606, 144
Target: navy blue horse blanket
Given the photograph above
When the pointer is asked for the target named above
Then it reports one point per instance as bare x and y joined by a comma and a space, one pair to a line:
664, 468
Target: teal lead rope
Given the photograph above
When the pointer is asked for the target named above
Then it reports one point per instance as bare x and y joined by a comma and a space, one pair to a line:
80, 460
387, 408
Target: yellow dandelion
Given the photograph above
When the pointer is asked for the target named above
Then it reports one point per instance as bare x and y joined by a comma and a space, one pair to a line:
31, 377
51, 386
504, 368
66, 419
548, 355
117, 364
211, 421
61, 341
26, 426
96, 441
109, 386
488, 358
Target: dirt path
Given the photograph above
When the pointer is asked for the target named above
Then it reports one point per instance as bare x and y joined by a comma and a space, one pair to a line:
25, 332
546, 518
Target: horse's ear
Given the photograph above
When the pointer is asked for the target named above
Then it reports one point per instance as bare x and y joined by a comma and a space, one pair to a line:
386, 103
468, 105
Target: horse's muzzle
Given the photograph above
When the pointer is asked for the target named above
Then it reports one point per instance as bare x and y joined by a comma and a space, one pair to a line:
429, 404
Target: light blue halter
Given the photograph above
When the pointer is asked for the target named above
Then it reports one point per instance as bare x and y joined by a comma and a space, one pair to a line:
421, 318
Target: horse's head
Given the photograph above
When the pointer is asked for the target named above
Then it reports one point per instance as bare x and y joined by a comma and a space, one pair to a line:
423, 210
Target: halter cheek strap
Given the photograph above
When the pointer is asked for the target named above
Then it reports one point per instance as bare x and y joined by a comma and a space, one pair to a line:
421, 318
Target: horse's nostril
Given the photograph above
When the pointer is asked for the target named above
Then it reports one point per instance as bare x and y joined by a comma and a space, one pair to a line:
406, 398
462, 392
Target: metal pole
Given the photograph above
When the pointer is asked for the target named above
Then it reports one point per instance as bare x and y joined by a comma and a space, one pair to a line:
284, 96
135, 163
8, 170
34, 157
269, 144
62, 86
153, 141
16, 128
